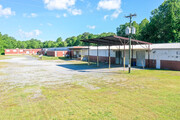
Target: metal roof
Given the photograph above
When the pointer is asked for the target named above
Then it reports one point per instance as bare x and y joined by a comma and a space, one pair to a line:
78, 47
114, 40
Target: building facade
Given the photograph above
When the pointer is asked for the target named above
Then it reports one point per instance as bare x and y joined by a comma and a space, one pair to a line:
55, 52
158, 56
22, 51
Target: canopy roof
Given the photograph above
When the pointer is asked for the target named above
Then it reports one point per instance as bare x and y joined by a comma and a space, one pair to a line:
78, 48
114, 40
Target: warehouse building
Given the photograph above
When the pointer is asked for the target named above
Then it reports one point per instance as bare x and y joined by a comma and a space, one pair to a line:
161, 56
115, 50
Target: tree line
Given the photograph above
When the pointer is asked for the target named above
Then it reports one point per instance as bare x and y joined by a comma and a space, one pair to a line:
163, 27
8, 42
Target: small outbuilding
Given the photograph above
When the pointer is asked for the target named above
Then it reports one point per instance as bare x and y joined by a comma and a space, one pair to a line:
56, 52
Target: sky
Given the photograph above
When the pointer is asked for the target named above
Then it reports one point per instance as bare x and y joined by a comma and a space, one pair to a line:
50, 19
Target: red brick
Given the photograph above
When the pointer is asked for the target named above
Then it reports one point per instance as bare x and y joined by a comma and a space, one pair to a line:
170, 65
51, 53
21, 51
152, 63
59, 53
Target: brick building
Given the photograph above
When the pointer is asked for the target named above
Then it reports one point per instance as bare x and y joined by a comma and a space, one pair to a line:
56, 52
22, 51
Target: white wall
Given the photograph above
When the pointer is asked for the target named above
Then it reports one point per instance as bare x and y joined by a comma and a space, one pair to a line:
104, 53
156, 54
173, 55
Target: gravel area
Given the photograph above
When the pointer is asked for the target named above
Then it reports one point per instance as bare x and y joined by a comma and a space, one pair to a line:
27, 70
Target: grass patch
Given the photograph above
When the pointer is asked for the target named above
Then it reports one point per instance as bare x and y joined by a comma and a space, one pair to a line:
2, 57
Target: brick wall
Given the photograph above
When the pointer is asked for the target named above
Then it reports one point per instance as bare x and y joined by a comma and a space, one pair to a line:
21, 51
102, 59
31, 51
152, 63
59, 53
170, 65
51, 53
11, 51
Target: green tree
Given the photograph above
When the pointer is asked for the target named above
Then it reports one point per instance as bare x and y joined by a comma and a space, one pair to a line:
59, 42
121, 30
164, 23
143, 32
143, 24
49, 44
136, 25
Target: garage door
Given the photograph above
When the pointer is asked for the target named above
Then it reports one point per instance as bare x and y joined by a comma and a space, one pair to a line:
140, 58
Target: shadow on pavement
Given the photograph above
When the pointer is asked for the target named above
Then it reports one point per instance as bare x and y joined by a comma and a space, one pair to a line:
83, 67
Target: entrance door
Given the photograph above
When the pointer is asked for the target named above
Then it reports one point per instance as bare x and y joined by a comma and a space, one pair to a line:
27, 52
77, 54
140, 58
158, 64
118, 57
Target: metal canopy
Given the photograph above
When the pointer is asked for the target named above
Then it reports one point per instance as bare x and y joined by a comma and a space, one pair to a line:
114, 40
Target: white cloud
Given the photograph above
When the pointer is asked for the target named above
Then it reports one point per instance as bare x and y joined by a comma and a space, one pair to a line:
110, 5
49, 24
91, 27
62, 5
58, 16
65, 15
6, 12
59, 4
115, 14
31, 34
32, 15
106, 16
75, 11
37, 32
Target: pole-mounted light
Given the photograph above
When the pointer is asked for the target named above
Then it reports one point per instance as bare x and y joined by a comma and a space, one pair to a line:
129, 31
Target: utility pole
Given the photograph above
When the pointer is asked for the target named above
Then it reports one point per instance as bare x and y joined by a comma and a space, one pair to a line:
130, 16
